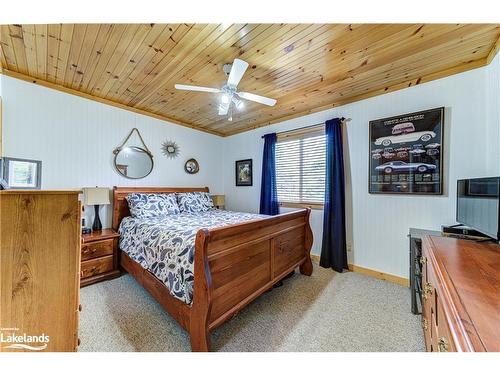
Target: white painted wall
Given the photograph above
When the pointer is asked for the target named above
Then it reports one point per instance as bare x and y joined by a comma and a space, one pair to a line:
75, 137
378, 224
493, 113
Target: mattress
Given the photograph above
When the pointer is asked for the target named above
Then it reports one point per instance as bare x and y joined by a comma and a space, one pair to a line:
165, 246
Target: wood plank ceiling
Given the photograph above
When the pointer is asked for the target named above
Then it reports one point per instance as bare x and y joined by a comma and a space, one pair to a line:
306, 67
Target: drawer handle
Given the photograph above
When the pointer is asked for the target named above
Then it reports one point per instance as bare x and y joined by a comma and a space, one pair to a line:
427, 290
80, 307
423, 260
443, 345
424, 324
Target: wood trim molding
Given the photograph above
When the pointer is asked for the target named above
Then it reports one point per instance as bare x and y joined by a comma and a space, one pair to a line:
383, 90
380, 275
373, 273
493, 52
54, 86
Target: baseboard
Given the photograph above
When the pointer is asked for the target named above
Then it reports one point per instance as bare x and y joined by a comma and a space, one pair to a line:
373, 273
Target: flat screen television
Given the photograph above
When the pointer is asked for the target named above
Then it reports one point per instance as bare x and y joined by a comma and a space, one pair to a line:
478, 205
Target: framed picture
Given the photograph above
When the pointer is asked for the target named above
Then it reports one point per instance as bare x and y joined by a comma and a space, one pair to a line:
406, 154
243, 171
191, 166
20, 173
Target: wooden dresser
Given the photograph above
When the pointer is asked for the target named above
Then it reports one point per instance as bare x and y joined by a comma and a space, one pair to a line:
99, 256
39, 270
461, 295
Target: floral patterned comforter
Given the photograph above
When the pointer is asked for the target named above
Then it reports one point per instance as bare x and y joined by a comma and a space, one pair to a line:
165, 246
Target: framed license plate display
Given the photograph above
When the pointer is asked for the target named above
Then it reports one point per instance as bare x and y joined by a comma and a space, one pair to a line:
406, 153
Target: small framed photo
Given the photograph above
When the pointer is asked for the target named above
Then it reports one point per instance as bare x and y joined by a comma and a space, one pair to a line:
243, 171
20, 173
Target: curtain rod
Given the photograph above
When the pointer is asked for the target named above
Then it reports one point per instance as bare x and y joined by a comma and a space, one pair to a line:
342, 119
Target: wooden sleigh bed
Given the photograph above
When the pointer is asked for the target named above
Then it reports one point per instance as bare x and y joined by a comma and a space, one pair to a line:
233, 265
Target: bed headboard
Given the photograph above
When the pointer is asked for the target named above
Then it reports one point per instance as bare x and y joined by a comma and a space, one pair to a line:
120, 205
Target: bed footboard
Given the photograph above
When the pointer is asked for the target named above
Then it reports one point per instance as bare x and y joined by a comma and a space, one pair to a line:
236, 264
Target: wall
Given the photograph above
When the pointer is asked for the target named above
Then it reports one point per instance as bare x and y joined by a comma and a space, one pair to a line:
493, 113
378, 224
75, 137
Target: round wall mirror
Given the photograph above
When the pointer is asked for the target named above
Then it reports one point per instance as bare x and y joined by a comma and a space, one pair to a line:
133, 162
192, 166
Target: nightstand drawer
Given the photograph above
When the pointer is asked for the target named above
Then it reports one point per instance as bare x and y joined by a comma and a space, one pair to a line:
97, 266
97, 249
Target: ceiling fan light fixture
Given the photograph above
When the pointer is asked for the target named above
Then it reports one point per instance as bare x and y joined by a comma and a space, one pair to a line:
231, 97
225, 98
238, 103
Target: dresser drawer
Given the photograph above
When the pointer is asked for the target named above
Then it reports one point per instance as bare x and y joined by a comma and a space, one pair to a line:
97, 266
97, 249
444, 339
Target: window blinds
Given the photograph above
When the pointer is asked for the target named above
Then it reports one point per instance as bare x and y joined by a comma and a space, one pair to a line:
300, 168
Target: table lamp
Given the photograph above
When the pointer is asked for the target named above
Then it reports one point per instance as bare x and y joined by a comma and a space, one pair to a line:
96, 196
219, 201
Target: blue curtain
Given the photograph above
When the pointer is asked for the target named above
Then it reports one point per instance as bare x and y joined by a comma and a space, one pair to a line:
268, 190
333, 248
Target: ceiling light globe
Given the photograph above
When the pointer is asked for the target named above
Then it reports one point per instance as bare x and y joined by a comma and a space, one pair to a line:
225, 98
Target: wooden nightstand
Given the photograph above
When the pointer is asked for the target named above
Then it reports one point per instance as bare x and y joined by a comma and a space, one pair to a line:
99, 256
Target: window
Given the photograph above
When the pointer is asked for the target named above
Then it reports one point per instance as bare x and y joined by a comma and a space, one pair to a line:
300, 166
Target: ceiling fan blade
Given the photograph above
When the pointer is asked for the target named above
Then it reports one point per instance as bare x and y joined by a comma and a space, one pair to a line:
237, 70
257, 98
196, 88
223, 109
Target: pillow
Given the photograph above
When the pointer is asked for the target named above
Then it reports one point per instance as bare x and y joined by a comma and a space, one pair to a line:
145, 206
194, 202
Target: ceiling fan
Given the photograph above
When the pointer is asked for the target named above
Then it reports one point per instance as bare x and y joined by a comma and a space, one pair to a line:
231, 98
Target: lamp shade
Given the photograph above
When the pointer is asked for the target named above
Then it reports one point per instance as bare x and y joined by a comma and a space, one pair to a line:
219, 200
96, 195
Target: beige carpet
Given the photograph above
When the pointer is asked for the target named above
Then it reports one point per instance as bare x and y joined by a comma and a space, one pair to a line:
325, 312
